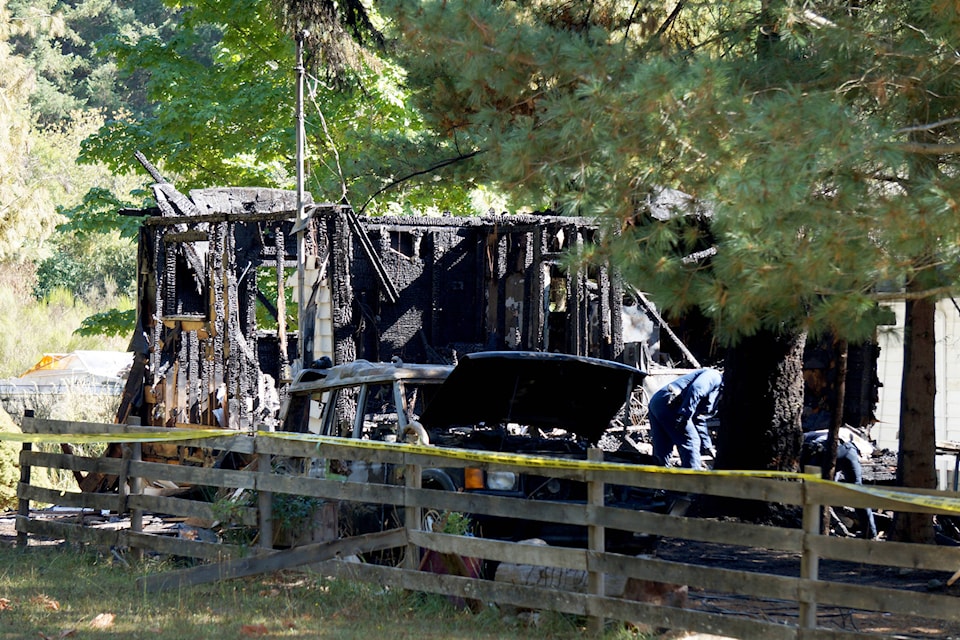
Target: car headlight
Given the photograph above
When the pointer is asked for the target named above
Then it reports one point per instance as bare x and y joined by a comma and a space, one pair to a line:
501, 480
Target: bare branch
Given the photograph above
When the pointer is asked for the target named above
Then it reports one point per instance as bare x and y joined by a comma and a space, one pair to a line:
699, 256
409, 176
894, 296
928, 126
930, 148
899, 296
670, 19
816, 20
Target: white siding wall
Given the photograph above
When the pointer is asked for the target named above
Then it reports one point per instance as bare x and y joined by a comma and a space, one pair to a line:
890, 372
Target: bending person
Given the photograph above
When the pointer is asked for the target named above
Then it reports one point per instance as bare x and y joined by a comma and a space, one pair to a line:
678, 416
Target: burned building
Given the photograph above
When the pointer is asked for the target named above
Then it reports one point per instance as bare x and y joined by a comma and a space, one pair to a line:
205, 266
218, 328
472, 284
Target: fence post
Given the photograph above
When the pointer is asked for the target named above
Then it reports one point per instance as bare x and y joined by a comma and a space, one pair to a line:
412, 515
809, 561
596, 539
23, 504
131, 453
136, 488
123, 489
265, 502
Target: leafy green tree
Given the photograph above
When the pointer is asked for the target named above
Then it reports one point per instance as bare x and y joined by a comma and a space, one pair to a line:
819, 138
220, 98
222, 87
377, 151
94, 265
40, 181
94, 268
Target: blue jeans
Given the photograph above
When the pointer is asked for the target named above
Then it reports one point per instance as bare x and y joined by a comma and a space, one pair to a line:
849, 469
666, 434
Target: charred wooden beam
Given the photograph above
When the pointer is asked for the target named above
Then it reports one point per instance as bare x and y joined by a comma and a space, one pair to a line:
151, 169
389, 289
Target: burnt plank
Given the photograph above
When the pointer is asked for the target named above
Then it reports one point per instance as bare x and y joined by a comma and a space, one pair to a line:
275, 561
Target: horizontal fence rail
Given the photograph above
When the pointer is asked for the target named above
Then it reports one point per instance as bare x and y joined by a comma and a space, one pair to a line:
264, 477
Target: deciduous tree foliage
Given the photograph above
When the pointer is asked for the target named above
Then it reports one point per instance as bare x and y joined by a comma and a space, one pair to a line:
221, 82
220, 112
821, 136
51, 69
25, 209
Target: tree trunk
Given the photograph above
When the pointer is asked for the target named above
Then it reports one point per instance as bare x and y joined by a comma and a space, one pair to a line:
918, 437
762, 404
829, 471
760, 414
762, 401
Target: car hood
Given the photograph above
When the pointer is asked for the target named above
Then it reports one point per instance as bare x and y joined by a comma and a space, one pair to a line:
545, 390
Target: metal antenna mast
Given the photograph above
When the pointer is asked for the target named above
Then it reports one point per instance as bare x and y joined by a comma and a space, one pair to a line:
301, 209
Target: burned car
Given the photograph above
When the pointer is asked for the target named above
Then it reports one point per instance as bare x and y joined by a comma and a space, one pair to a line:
545, 404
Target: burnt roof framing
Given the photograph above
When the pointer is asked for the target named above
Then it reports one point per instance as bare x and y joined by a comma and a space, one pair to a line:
462, 285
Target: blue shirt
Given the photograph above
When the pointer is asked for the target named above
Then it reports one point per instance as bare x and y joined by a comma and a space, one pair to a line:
701, 395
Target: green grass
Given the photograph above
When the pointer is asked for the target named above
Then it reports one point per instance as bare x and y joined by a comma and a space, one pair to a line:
55, 592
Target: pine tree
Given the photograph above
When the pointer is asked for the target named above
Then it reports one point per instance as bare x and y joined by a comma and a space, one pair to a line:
820, 137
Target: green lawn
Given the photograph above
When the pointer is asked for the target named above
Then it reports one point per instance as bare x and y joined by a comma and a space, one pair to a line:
57, 592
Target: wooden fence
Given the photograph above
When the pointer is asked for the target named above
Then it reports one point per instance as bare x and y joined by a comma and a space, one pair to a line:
805, 590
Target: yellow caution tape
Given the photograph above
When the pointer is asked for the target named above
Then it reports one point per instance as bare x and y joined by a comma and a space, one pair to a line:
944, 503
540, 462
133, 436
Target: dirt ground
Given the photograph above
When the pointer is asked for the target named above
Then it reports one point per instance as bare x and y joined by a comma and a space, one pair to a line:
787, 564
779, 563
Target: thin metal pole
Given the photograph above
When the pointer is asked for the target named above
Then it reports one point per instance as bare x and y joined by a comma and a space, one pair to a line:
301, 210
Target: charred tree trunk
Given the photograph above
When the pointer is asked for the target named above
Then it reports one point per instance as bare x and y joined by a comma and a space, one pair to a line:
762, 403
761, 408
918, 437
829, 470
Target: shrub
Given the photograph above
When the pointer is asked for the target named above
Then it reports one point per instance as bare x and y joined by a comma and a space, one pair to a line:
30, 328
9, 464
91, 267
